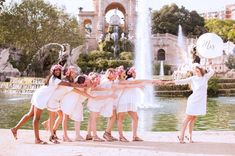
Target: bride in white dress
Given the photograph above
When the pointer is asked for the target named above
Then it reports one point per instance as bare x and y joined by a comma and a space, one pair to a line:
197, 101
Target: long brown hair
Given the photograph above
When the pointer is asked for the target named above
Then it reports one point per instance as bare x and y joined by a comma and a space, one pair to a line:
202, 71
47, 79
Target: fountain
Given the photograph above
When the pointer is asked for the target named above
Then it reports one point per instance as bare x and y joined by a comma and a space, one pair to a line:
143, 53
161, 69
181, 44
183, 58
115, 38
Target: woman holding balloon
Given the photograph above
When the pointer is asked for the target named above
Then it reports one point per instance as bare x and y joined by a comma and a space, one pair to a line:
209, 46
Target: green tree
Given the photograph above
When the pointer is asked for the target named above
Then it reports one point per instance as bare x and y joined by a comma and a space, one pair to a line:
33, 23
126, 56
224, 28
167, 20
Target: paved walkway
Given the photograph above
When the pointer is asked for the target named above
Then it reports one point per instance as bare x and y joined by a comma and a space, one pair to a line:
207, 143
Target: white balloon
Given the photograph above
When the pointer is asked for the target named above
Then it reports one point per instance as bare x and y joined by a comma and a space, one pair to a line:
210, 45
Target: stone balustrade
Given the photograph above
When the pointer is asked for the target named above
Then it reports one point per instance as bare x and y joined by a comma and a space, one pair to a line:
25, 85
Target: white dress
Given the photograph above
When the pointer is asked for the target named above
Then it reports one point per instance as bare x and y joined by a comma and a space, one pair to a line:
42, 95
54, 103
104, 107
197, 101
71, 105
128, 99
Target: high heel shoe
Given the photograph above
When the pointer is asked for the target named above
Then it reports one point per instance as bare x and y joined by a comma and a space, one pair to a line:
181, 140
189, 139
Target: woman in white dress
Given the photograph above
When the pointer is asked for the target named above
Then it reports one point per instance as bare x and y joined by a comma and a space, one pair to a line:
125, 102
40, 99
197, 101
69, 103
101, 107
128, 101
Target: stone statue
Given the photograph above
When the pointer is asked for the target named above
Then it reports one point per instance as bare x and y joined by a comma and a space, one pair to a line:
123, 37
108, 37
115, 19
6, 68
101, 38
88, 30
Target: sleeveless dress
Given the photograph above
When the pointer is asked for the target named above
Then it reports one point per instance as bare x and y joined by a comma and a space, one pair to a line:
128, 99
54, 103
197, 101
71, 104
105, 106
42, 95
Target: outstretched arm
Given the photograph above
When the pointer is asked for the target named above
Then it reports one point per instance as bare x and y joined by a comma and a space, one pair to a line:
93, 97
137, 81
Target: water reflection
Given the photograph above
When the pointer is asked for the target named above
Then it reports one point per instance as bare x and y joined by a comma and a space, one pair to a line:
167, 117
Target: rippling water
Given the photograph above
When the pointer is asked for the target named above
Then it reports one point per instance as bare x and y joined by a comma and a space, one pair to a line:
167, 117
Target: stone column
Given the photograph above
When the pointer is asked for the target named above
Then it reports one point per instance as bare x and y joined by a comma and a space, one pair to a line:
131, 17
100, 18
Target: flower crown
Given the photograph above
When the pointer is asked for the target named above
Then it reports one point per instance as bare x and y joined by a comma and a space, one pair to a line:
120, 70
71, 69
55, 67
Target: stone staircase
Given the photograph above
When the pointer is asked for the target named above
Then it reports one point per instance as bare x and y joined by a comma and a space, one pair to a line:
226, 88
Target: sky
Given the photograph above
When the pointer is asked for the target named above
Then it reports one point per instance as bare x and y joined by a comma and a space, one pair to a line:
200, 6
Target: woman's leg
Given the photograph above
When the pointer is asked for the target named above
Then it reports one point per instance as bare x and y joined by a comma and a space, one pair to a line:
36, 118
183, 128
57, 121
95, 137
120, 119
78, 137
46, 124
111, 121
191, 125
65, 128
135, 119
51, 121
107, 134
88, 137
94, 116
22, 121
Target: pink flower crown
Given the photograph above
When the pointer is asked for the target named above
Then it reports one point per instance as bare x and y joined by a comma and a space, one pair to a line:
131, 70
71, 69
119, 70
55, 67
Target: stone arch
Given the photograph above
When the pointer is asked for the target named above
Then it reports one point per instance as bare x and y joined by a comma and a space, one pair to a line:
115, 5
121, 8
87, 21
161, 55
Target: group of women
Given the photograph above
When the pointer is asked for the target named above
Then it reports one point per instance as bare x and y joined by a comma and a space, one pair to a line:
110, 95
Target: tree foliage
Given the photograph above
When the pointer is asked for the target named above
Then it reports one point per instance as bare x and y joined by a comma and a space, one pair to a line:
167, 20
224, 28
101, 61
33, 23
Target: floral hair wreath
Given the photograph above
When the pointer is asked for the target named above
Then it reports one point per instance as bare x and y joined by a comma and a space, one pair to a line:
120, 70
55, 67
131, 70
71, 69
